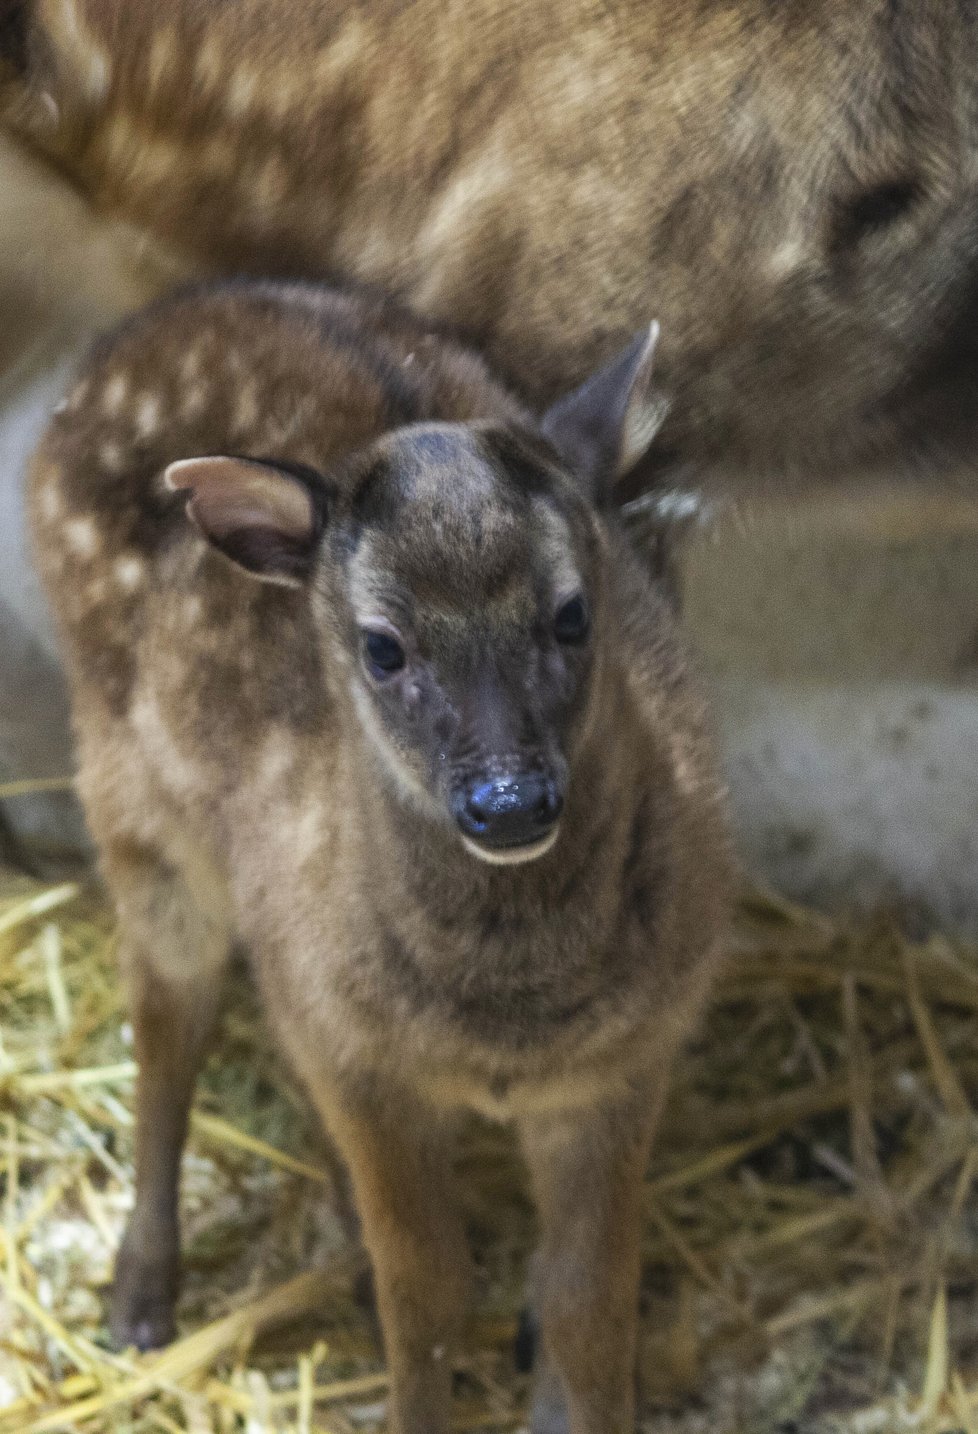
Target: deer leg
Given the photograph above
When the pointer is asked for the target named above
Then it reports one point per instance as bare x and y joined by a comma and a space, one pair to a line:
175, 949
399, 1156
587, 1168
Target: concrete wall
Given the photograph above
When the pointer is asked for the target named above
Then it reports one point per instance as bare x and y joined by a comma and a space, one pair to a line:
840, 638
63, 277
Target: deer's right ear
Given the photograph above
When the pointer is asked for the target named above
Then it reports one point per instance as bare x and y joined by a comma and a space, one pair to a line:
266, 518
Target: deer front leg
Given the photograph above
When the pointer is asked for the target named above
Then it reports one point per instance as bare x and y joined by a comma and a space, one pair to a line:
399, 1155
174, 953
587, 1168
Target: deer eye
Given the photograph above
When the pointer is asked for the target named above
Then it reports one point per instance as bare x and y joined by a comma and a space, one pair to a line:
571, 622
382, 653
873, 210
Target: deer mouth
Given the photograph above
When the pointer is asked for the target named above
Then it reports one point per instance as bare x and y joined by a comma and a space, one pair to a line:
514, 854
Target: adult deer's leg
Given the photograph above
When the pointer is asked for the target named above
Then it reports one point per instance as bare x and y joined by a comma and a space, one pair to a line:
175, 943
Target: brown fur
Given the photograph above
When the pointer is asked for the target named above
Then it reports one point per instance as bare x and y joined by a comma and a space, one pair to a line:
246, 779
791, 188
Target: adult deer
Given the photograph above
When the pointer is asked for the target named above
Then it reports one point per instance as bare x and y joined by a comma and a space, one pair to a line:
790, 189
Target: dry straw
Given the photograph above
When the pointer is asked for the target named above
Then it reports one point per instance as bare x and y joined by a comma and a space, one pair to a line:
811, 1241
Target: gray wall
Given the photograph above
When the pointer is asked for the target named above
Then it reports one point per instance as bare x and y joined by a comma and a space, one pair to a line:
63, 276
840, 638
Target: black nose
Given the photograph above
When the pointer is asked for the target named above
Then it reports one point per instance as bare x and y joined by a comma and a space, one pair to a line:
510, 810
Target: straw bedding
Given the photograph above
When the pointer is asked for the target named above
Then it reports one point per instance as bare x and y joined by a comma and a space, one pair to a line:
811, 1241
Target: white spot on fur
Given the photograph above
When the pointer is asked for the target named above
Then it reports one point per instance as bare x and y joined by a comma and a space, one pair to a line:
191, 364
307, 833
193, 401
111, 458
129, 573
246, 408
81, 536
786, 259
148, 412
162, 57
50, 501
209, 64
114, 395
93, 63
277, 758
193, 608
242, 89
344, 53
182, 775
285, 93
686, 778
481, 183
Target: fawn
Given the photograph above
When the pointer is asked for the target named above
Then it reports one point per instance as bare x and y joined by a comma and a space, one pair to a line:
367, 678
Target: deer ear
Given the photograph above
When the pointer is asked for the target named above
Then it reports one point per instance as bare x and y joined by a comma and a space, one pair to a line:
266, 518
604, 427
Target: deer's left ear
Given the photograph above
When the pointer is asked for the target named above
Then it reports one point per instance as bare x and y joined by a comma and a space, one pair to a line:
604, 427
267, 519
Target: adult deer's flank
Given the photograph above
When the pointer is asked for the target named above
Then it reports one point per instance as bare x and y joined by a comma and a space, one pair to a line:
791, 188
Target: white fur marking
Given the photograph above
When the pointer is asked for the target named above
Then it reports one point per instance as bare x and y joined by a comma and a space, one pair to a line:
246, 408
81, 536
277, 758
194, 401
111, 458
51, 501
114, 395
190, 365
786, 258
93, 59
210, 61
241, 90
147, 415
129, 573
162, 54
307, 833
